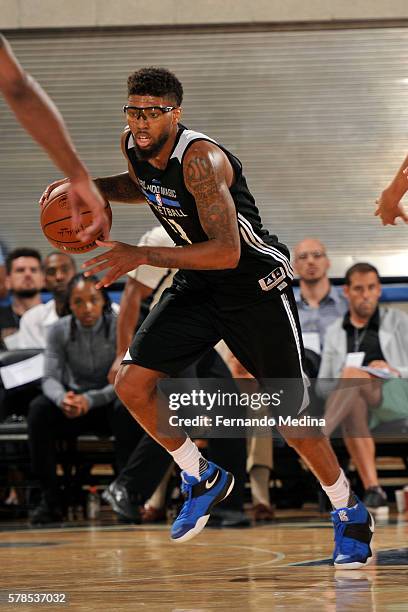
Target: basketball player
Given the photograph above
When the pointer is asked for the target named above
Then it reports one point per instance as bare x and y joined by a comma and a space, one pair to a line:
41, 119
234, 282
389, 206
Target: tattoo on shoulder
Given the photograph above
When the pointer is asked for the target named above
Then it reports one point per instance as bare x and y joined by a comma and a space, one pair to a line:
201, 179
198, 168
216, 216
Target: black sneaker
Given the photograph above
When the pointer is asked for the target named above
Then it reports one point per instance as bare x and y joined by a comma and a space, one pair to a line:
224, 517
121, 502
45, 513
375, 499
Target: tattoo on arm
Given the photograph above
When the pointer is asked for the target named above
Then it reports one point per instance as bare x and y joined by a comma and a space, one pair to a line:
159, 260
120, 188
211, 194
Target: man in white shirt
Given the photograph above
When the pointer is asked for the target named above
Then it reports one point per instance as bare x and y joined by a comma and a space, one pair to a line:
148, 457
141, 283
24, 280
59, 269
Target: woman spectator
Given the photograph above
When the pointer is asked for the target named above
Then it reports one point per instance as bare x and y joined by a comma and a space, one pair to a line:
76, 396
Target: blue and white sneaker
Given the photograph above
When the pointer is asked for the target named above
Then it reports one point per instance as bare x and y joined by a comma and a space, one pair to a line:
353, 530
214, 485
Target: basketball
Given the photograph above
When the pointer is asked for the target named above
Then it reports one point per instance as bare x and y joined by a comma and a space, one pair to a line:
56, 222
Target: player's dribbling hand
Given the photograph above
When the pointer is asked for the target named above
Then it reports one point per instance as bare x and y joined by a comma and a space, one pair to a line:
121, 258
46, 194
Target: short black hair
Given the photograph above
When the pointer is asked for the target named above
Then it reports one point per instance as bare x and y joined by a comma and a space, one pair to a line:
361, 268
158, 82
67, 255
21, 252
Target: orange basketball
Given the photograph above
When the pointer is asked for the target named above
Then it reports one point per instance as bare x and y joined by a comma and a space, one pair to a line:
56, 222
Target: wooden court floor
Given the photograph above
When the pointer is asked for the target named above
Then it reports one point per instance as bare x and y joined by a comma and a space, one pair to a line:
280, 566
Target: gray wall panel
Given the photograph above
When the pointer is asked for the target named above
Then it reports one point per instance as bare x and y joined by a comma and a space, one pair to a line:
319, 119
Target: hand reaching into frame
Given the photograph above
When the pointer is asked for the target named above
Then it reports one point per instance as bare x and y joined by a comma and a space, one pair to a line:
389, 206
82, 191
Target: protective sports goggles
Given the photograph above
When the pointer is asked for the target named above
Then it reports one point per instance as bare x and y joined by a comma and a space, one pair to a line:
146, 112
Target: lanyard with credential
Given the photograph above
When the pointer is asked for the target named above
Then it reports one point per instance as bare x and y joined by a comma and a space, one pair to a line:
358, 338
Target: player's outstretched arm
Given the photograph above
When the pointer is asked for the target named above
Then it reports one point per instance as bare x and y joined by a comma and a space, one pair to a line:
37, 113
41, 119
389, 206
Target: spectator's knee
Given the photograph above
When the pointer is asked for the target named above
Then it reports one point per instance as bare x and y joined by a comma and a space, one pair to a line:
352, 372
38, 412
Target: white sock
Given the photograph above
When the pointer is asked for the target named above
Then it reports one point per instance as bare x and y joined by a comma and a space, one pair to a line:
339, 493
189, 459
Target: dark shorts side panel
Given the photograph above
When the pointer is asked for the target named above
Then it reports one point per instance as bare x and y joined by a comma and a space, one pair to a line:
177, 332
266, 337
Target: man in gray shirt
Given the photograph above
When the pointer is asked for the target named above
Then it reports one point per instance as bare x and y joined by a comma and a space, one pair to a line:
318, 302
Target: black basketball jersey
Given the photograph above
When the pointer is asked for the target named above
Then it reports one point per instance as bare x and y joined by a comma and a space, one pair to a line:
264, 263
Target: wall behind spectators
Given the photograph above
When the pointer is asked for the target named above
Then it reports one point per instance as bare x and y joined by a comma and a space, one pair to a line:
77, 13
318, 115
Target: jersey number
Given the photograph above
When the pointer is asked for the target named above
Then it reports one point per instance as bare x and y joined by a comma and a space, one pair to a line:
177, 228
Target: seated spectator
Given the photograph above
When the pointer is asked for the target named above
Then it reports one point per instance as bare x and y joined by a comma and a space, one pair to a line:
142, 284
365, 336
259, 459
59, 269
77, 397
373, 403
145, 477
318, 302
24, 280
3, 287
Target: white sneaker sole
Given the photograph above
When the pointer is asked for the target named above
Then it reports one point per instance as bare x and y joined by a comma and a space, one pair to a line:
354, 565
202, 521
